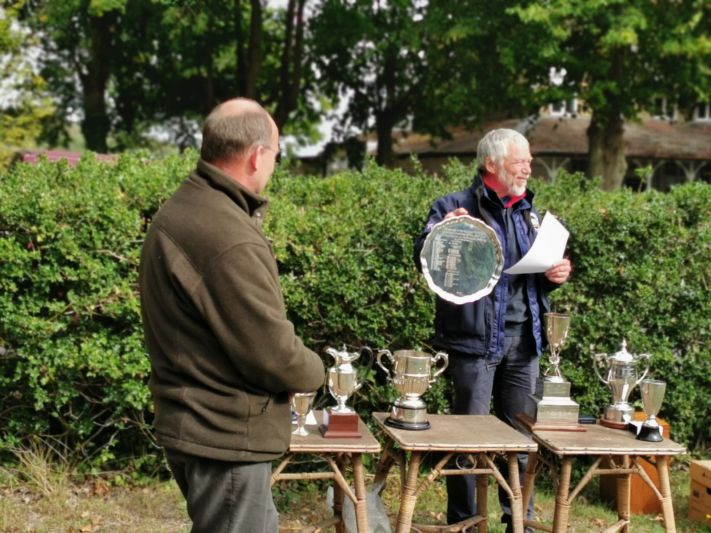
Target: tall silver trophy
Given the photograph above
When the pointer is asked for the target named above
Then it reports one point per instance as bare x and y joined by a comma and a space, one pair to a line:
621, 376
341, 420
412, 374
551, 403
652, 396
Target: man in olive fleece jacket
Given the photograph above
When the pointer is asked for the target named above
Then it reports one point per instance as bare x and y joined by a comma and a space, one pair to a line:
224, 356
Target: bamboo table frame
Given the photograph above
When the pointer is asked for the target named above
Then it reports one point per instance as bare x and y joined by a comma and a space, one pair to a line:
477, 437
623, 450
337, 453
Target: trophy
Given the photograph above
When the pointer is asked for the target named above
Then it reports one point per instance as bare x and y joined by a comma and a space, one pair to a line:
652, 396
461, 259
621, 377
552, 406
301, 403
412, 376
342, 421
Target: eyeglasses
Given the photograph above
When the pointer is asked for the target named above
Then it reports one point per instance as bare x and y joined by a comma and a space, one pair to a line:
277, 152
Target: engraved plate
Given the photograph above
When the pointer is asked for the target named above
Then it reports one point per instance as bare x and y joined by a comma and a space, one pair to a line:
550, 389
462, 259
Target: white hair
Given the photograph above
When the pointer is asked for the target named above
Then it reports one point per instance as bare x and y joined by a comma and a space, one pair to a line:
495, 145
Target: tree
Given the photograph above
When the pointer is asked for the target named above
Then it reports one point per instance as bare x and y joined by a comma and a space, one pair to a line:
373, 59
128, 65
425, 66
79, 39
618, 56
25, 108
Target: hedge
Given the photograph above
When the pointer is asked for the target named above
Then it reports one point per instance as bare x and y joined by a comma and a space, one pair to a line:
73, 368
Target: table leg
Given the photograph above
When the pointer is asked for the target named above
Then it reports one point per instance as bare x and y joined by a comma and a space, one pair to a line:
382, 468
529, 481
361, 509
624, 484
482, 501
515, 485
562, 505
338, 500
407, 504
665, 489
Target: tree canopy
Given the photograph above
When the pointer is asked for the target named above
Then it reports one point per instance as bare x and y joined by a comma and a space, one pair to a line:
126, 66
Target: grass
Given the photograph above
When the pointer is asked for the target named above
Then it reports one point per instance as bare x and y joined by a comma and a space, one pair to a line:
37, 496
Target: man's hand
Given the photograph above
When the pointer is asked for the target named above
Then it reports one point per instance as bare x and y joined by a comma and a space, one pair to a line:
459, 211
560, 272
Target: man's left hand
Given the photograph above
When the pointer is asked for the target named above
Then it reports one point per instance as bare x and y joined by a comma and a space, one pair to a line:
560, 272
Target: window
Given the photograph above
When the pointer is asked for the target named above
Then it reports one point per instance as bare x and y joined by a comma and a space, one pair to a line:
702, 112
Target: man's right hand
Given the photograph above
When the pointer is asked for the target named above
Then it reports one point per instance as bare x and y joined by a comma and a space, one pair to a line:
459, 211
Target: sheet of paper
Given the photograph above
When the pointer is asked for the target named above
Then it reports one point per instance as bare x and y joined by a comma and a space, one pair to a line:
547, 249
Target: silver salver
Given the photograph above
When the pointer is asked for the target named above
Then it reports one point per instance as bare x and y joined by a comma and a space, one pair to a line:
462, 259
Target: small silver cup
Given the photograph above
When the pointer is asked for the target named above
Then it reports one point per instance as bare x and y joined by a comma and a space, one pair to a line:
301, 403
652, 396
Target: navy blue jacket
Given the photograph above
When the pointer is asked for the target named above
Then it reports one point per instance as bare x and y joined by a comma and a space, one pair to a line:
478, 328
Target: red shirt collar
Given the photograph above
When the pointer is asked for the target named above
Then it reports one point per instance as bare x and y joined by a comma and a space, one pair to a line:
492, 182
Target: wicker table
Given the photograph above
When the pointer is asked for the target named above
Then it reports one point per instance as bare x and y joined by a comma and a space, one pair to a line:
622, 450
476, 437
336, 452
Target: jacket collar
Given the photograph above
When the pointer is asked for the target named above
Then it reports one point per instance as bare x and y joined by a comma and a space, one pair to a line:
482, 192
252, 204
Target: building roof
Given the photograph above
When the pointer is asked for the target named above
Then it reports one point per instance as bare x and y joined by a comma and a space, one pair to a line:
567, 136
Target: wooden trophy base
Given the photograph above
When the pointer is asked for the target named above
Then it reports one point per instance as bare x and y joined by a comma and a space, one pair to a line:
532, 425
612, 424
339, 425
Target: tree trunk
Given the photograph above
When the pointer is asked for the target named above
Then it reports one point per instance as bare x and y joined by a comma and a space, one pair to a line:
249, 54
240, 47
606, 149
291, 62
96, 125
254, 53
390, 109
384, 124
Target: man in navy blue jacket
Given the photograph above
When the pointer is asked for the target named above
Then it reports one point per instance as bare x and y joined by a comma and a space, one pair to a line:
494, 343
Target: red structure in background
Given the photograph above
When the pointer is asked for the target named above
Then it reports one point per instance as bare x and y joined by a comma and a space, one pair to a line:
72, 158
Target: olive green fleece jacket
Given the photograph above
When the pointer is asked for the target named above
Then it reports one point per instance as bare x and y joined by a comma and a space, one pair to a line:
224, 356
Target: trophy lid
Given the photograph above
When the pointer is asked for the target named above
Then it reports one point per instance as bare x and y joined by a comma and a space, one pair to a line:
623, 356
462, 259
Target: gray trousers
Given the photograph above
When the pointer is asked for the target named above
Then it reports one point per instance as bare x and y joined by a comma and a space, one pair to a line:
225, 497
476, 382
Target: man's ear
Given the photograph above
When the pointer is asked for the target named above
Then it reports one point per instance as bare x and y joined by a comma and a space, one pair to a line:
490, 166
253, 158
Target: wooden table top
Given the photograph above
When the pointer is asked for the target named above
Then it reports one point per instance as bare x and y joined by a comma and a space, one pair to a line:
314, 442
463, 433
600, 440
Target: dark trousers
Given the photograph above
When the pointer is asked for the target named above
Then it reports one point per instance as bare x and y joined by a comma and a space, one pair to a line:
225, 497
476, 382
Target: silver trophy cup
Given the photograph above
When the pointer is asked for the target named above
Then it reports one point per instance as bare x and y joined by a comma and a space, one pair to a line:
551, 405
412, 374
652, 396
621, 376
342, 421
343, 378
556, 332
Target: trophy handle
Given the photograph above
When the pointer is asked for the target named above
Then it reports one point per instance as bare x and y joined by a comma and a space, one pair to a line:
439, 356
365, 350
598, 358
387, 354
646, 370
332, 352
